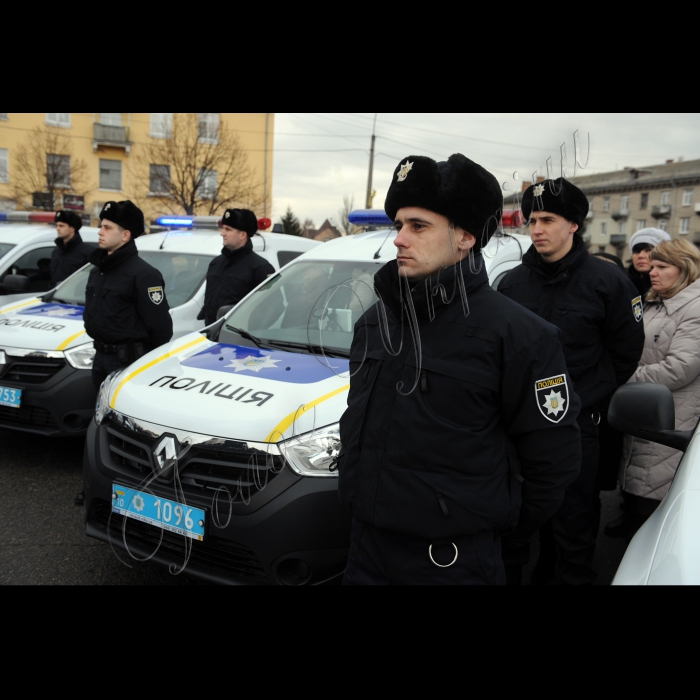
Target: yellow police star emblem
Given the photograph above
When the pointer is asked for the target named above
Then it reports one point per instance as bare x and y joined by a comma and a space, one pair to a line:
539, 190
403, 171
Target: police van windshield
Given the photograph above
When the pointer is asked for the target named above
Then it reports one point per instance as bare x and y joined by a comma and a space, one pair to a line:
183, 275
304, 307
5, 248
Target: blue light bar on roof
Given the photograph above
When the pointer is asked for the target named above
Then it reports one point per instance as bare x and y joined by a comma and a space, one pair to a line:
369, 217
174, 221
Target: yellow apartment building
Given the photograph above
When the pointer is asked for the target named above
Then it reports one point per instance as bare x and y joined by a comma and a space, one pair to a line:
166, 163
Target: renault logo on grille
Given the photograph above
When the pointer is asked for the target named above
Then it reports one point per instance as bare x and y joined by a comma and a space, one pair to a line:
165, 455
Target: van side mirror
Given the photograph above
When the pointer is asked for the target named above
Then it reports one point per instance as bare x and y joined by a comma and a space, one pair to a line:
223, 310
647, 411
16, 284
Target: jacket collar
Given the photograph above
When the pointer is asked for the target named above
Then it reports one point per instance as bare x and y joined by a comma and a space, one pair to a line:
427, 296
72, 243
106, 262
572, 260
675, 303
230, 255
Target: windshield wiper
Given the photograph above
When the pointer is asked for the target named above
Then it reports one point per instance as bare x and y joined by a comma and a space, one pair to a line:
332, 352
248, 336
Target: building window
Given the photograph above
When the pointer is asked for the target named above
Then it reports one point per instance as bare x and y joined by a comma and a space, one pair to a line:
685, 226
663, 224
665, 198
623, 226
57, 171
643, 200
58, 119
161, 125
687, 198
642, 223
4, 165
110, 119
207, 190
603, 229
624, 202
209, 127
160, 179
110, 174
606, 203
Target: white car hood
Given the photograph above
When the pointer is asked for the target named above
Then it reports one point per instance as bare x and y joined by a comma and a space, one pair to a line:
231, 391
32, 324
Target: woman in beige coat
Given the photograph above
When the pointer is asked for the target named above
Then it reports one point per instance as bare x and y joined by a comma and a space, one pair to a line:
671, 357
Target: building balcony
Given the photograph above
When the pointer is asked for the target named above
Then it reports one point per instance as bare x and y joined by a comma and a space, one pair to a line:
618, 239
697, 208
620, 214
662, 212
590, 215
113, 136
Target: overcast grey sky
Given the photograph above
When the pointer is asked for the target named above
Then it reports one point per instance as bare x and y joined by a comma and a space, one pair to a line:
319, 158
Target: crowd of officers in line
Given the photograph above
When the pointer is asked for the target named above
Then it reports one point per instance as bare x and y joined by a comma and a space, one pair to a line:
488, 424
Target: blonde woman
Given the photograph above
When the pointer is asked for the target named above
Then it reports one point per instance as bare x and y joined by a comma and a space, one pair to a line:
671, 357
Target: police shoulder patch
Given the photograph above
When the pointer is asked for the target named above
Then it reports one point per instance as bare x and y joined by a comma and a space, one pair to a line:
637, 308
552, 395
155, 294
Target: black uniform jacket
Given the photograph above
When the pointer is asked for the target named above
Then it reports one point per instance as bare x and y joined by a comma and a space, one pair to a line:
125, 300
439, 453
596, 307
66, 258
231, 276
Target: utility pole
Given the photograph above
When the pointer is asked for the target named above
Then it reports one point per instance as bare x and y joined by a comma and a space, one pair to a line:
370, 194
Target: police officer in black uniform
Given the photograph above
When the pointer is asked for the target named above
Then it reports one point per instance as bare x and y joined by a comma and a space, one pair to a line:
599, 313
126, 310
238, 270
70, 253
461, 421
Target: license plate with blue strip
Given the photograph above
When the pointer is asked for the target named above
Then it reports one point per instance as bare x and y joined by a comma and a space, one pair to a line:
10, 397
161, 512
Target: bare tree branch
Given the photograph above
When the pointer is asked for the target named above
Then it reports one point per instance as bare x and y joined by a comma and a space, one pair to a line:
195, 158
45, 163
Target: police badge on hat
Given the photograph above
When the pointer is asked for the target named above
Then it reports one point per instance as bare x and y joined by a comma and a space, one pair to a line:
637, 308
552, 397
155, 294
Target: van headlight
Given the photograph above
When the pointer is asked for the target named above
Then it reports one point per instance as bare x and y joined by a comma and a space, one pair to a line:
315, 453
102, 407
82, 356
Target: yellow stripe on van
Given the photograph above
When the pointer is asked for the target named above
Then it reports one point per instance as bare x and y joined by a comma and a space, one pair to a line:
201, 339
284, 424
19, 306
66, 343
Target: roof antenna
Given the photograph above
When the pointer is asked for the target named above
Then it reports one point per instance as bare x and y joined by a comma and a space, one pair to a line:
376, 255
164, 239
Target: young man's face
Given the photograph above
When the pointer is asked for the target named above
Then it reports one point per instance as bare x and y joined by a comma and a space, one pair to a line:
551, 234
64, 231
233, 238
112, 236
426, 243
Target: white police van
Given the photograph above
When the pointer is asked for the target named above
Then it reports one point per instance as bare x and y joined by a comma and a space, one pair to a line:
26, 245
214, 454
45, 355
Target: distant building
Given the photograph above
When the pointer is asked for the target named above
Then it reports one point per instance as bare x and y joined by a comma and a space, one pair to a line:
108, 143
326, 232
665, 196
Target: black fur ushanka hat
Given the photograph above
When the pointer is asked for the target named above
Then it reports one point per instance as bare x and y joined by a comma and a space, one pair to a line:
241, 219
125, 214
557, 197
460, 189
68, 217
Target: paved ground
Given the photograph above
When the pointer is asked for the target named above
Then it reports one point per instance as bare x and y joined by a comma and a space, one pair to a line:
43, 541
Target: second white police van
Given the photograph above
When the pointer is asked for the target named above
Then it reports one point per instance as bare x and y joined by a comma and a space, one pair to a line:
215, 454
45, 355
